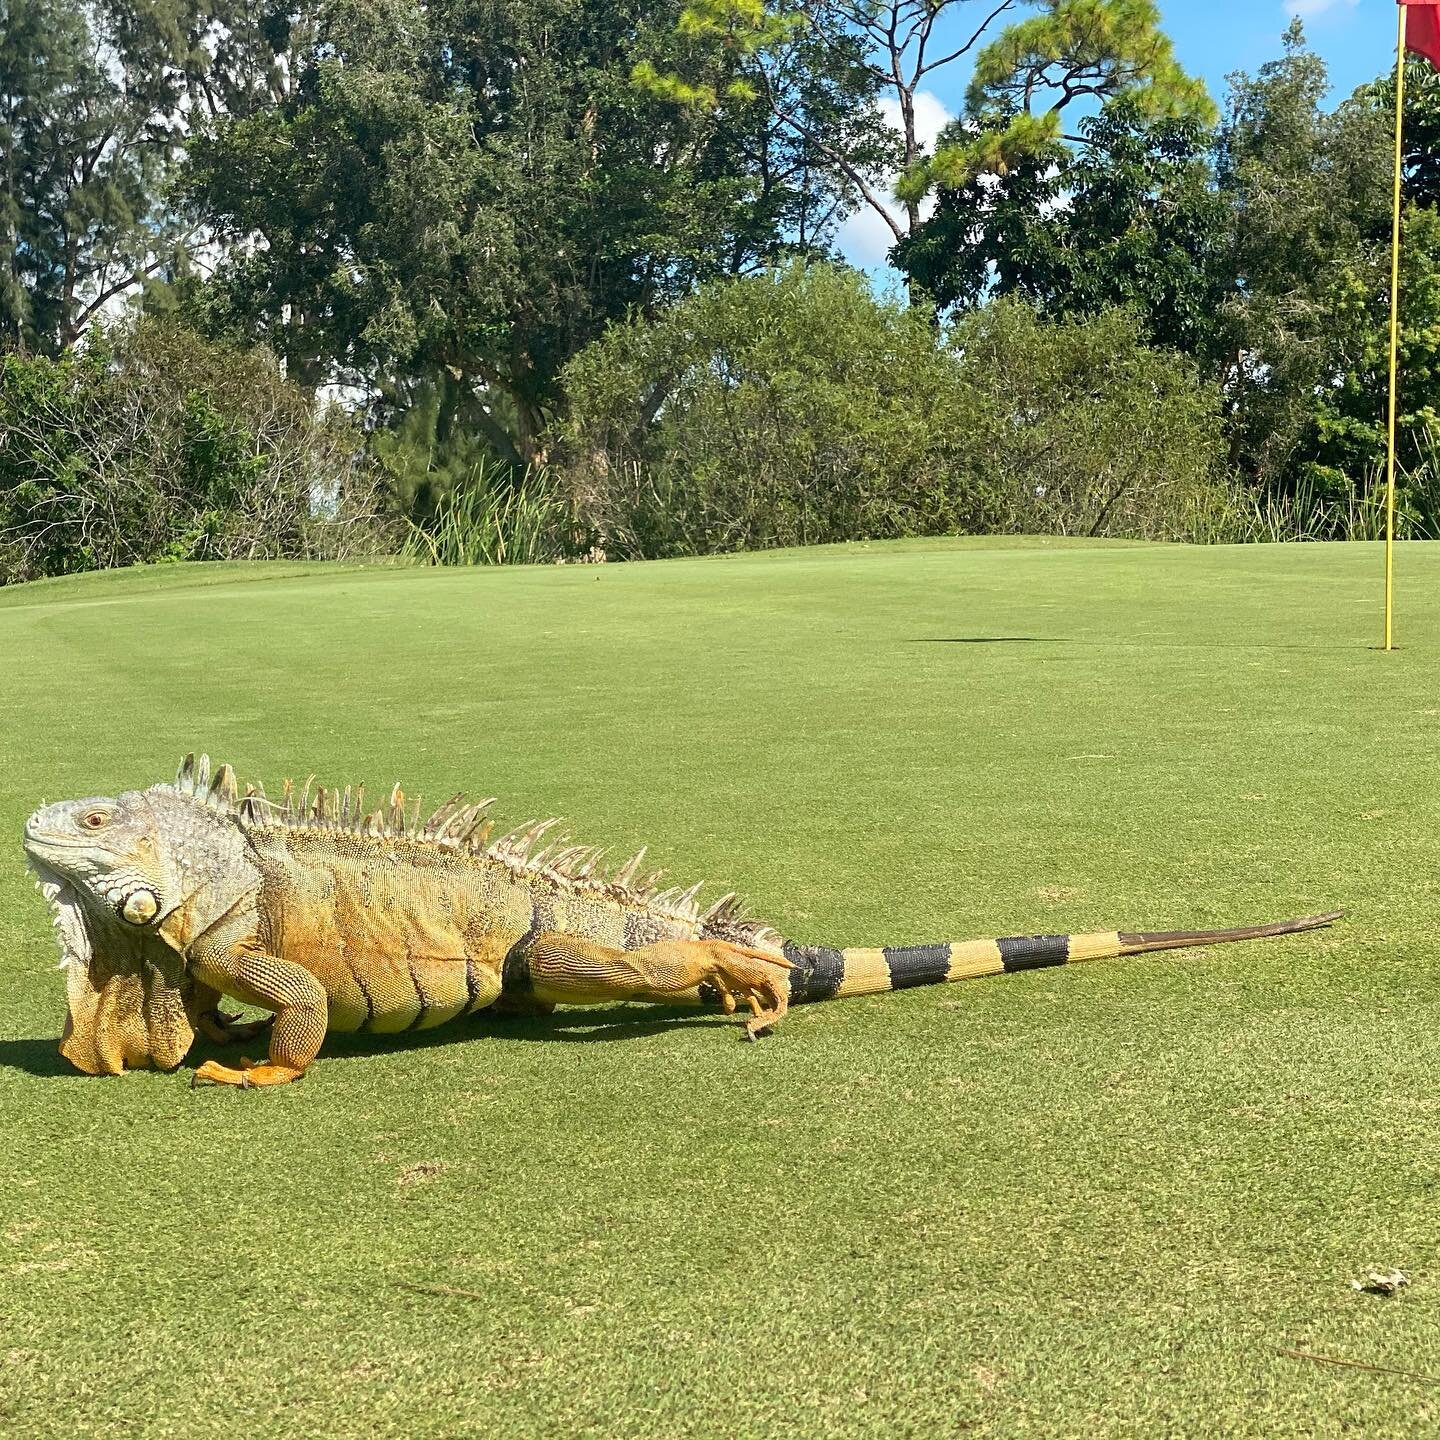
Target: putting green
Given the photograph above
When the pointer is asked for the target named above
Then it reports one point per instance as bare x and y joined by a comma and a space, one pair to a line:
1092, 1201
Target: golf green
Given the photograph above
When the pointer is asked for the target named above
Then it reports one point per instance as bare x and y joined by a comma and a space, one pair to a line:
1115, 1199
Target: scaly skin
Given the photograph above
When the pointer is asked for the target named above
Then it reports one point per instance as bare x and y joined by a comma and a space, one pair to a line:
167, 899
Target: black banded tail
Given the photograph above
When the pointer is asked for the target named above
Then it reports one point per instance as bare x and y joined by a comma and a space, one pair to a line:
821, 973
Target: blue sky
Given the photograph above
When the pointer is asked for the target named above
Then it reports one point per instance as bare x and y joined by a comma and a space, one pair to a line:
1212, 39
1356, 37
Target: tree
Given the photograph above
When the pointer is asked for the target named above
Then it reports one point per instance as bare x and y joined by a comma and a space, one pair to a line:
93, 114
1074, 49
89, 116
1309, 199
1341, 447
1132, 218
1031, 75
1079, 428
811, 95
896, 47
792, 407
796, 407
471, 191
1421, 160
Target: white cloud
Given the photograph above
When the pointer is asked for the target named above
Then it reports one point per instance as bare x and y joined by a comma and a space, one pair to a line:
931, 116
865, 238
1309, 9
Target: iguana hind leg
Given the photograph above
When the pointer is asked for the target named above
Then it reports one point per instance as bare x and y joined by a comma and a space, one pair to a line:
567, 970
301, 1010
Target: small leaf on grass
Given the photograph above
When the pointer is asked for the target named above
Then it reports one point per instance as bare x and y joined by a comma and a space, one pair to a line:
1380, 1282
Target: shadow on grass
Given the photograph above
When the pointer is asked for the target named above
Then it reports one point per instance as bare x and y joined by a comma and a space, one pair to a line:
1145, 642
36, 1057
569, 1027
573, 1027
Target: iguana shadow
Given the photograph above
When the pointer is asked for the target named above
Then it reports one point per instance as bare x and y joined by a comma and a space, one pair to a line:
565, 1027
41, 1055
37, 1055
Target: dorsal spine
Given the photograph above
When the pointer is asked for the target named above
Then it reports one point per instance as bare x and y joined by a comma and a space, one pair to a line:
466, 828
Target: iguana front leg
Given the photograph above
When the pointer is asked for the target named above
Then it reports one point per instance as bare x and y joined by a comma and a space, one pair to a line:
567, 970
255, 977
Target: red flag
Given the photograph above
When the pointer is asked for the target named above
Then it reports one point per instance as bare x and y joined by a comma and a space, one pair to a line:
1422, 29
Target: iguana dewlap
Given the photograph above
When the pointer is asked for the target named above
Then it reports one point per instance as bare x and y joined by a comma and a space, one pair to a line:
335, 919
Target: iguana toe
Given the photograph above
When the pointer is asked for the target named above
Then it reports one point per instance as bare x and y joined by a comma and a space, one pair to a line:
246, 1075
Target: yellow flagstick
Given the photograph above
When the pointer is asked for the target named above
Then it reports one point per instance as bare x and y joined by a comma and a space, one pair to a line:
1394, 337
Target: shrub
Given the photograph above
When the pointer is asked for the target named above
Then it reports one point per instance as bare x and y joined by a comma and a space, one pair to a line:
436, 435
1080, 429
153, 444
796, 407
785, 409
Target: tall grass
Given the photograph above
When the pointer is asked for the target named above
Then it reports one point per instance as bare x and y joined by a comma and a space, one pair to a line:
1248, 516
495, 517
1253, 517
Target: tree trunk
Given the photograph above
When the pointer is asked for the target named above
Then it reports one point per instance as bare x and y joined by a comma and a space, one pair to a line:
529, 430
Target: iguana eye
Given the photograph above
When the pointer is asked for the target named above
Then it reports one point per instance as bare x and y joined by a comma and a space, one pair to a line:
94, 819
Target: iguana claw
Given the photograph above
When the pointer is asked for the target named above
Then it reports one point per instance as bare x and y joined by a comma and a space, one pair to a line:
738, 977
222, 1028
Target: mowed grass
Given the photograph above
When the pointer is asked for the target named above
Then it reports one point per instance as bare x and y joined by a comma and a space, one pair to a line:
1092, 1201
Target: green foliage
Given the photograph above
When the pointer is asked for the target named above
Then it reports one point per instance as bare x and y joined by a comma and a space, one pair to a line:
795, 408
969, 151
1341, 448
96, 100
1073, 50
1260, 249
1078, 428
495, 517
1307, 257
152, 444
1308, 513
436, 437
464, 502
507, 227
365, 191
1421, 136
789, 408
1133, 218
1095, 47
479, 189
1345, 436
88, 118
724, 35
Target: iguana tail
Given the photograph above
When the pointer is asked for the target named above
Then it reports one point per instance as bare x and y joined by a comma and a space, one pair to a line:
820, 973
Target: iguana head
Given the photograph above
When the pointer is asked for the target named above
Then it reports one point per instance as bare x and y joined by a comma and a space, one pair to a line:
133, 880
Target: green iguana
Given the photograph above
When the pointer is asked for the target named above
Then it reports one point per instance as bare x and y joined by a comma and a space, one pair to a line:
335, 919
